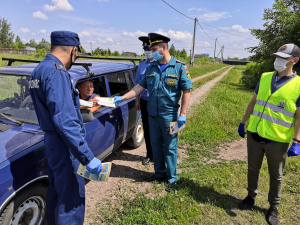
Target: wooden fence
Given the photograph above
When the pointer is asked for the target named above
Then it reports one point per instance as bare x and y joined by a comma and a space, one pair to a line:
17, 51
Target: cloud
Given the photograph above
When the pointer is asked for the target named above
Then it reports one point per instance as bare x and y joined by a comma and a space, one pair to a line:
105, 41
195, 9
240, 28
213, 16
59, 5
84, 34
42, 31
179, 35
134, 34
39, 15
24, 30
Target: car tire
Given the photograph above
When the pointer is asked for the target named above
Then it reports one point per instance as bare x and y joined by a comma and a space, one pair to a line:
137, 138
27, 207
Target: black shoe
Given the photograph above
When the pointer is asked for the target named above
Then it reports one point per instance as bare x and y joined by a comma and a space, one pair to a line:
146, 161
247, 203
154, 178
272, 216
169, 186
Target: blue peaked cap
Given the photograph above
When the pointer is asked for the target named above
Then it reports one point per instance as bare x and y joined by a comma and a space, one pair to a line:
65, 38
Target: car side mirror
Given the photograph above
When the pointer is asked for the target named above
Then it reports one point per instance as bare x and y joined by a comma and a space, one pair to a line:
87, 115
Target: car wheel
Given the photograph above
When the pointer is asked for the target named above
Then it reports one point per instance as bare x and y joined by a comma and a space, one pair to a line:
137, 137
27, 207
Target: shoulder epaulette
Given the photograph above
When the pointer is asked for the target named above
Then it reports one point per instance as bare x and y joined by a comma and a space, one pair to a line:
178, 61
59, 66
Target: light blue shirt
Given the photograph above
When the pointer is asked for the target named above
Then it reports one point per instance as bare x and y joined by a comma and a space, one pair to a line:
140, 73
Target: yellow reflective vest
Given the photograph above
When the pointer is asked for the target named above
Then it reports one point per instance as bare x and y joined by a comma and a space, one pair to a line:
273, 114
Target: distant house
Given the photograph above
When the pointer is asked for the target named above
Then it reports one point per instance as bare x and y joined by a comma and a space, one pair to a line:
28, 50
128, 54
202, 54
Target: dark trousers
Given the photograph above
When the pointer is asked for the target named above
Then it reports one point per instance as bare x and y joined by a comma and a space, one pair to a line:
275, 153
65, 203
145, 120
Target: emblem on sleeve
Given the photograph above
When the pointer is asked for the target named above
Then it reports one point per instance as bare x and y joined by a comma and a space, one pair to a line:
188, 74
171, 82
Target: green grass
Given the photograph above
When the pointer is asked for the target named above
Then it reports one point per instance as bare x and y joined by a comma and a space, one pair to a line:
199, 70
209, 193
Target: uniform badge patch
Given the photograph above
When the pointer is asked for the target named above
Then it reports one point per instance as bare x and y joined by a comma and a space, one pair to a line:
185, 68
171, 82
281, 104
188, 74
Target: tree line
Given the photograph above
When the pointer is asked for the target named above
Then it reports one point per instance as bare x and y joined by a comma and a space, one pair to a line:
282, 26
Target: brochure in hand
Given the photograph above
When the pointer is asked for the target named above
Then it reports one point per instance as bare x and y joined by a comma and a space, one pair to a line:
174, 128
86, 103
102, 176
106, 101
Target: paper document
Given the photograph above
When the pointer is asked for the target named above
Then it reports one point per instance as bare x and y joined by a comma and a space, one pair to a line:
86, 103
174, 128
106, 101
102, 176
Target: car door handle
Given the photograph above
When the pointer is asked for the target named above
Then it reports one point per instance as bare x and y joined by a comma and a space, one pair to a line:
112, 115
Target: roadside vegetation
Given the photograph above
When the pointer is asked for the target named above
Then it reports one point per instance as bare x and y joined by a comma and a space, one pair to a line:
208, 193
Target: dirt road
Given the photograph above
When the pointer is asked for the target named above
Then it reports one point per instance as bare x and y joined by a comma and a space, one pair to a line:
128, 172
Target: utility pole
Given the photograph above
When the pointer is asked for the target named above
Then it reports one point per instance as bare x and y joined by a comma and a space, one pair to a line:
215, 51
91, 47
193, 48
222, 54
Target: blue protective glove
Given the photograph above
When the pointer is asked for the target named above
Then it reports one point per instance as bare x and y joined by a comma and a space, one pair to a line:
294, 150
181, 120
94, 166
241, 130
118, 99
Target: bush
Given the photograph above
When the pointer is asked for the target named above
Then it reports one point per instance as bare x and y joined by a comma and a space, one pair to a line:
40, 53
253, 72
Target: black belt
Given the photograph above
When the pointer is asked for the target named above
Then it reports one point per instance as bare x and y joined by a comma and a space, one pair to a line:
260, 139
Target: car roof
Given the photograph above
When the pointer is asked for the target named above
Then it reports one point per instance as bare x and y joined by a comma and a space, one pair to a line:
77, 71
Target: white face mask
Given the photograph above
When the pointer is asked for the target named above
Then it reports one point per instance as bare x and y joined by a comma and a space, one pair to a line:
280, 64
148, 54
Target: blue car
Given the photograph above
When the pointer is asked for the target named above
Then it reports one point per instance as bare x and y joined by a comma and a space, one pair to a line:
23, 166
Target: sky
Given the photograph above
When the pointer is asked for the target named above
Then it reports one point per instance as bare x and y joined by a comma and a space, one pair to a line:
117, 24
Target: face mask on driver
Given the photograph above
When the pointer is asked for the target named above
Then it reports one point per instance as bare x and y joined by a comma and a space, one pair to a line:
280, 64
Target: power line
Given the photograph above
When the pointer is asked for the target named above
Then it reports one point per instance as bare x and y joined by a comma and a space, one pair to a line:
178, 11
209, 25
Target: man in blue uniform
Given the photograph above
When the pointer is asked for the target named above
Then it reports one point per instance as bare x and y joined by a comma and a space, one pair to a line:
165, 79
141, 101
57, 107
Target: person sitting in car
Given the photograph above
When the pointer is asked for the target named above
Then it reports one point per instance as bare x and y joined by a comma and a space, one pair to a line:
86, 92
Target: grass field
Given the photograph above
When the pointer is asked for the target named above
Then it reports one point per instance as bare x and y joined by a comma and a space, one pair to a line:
209, 193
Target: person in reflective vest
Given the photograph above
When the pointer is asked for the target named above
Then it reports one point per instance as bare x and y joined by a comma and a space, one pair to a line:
274, 121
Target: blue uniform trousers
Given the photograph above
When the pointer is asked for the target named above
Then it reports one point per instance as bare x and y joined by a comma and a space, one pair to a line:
65, 203
164, 146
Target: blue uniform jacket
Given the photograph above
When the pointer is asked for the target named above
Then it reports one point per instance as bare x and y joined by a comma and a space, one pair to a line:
57, 106
140, 73
165, 87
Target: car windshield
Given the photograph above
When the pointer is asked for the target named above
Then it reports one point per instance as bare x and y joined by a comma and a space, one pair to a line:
15, 100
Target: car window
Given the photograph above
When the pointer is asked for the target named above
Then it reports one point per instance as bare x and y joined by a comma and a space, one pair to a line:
119, 83
15, 100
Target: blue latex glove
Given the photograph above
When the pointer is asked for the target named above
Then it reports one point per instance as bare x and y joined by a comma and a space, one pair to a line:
181, 120
94, 166
294, 150
241, 130
118, 99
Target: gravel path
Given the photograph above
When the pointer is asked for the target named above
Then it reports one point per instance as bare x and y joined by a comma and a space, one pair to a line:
128, 173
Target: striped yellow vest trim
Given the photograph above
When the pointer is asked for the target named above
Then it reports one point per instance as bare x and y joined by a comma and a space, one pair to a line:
273, 114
